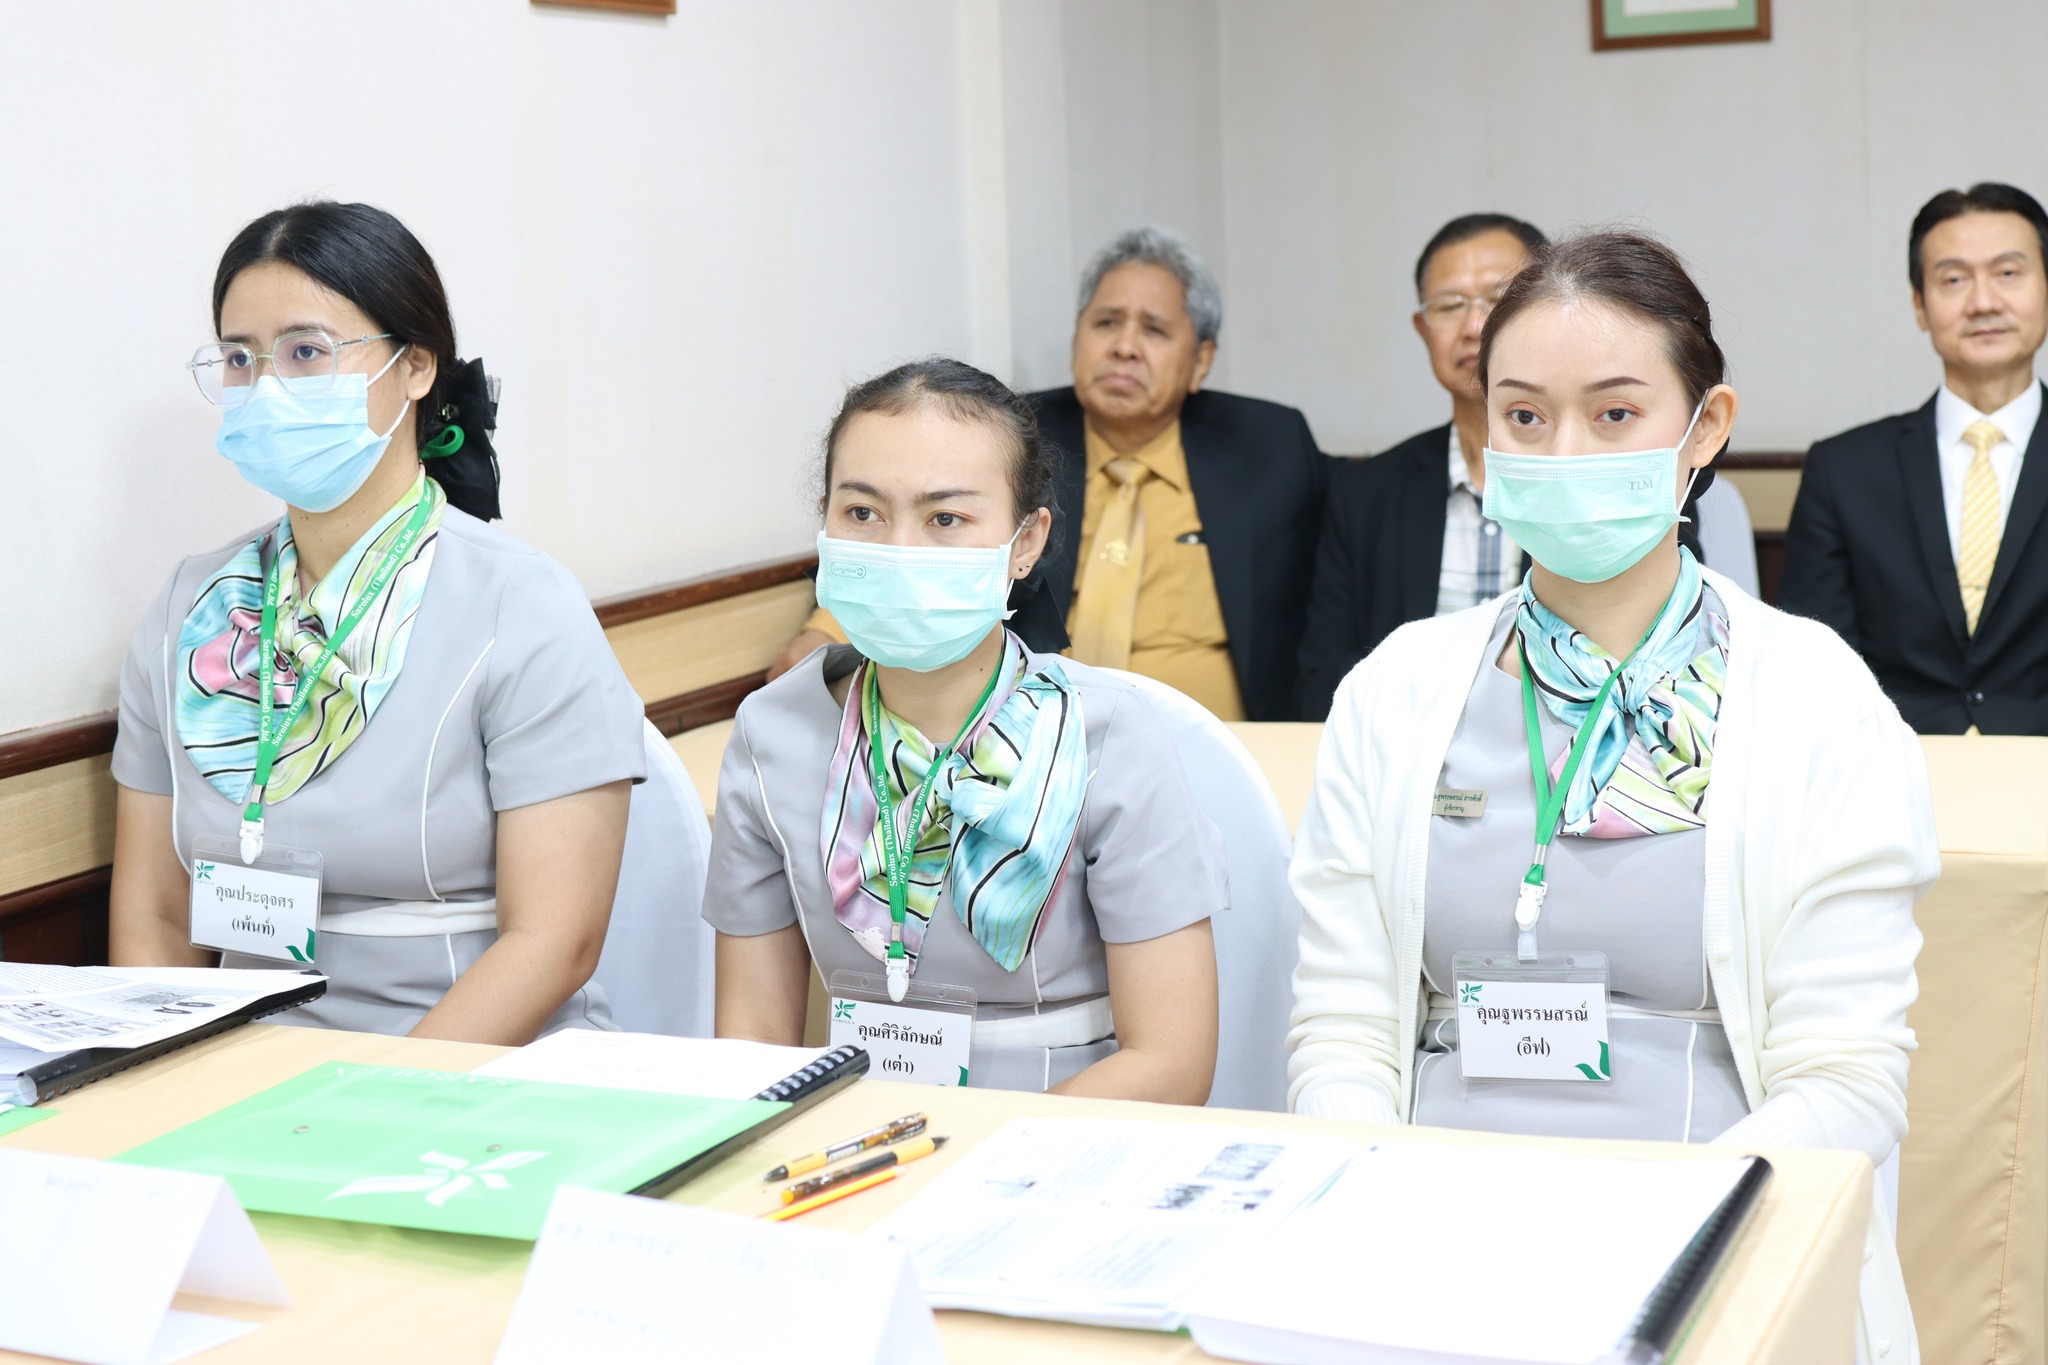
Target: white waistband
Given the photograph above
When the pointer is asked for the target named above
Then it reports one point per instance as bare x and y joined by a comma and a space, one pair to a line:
1069, 1026
1440, 1007
413, 919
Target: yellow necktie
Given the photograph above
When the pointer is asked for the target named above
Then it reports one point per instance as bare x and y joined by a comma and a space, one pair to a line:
1983, 521
1106, 604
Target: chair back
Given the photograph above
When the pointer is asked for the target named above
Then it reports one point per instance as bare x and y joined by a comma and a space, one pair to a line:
657, 961
1256, 938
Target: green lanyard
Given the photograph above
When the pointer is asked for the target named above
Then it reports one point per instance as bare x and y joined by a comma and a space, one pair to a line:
273, 727
895, 857
1550, 800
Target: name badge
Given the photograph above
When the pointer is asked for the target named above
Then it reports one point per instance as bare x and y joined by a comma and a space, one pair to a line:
1459, 805
268, 908
928, 1038
1539, 1021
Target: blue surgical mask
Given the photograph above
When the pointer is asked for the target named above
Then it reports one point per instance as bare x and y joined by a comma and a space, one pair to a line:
1588, 517
311, 444
920, 607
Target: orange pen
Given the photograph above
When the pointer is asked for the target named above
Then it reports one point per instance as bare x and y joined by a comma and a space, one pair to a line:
895, 1156
837, 1192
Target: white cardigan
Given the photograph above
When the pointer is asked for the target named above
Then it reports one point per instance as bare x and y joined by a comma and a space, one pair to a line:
1819, 838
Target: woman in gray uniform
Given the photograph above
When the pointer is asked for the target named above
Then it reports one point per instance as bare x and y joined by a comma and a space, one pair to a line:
948, 814
379, 691
1625, 853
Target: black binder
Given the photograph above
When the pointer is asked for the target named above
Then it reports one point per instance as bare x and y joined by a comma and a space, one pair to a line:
70, 1070
829, 1074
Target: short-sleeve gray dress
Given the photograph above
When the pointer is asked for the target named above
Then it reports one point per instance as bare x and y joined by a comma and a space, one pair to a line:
510, 696
1150, 862
1642, 901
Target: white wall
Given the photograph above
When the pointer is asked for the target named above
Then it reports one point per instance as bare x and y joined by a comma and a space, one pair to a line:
675, 240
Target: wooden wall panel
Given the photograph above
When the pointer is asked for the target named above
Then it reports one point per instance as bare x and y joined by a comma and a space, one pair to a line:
703, 646
59, 822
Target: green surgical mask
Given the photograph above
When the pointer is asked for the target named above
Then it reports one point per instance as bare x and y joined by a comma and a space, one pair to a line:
1588, 517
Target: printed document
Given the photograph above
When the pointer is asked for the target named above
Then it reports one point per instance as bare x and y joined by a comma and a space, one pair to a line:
1106, 1222
713, 1068
61, 1009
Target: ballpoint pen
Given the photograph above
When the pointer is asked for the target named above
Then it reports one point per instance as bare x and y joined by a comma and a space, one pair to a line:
908, 1126
866, 1182
895, 1156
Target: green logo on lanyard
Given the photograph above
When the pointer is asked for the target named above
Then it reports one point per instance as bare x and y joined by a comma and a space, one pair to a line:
895, 857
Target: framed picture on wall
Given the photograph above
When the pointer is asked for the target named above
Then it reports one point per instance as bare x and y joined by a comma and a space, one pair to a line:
1619, 24
630, 6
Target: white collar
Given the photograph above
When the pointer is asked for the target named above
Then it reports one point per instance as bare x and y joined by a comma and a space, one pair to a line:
1461, 473
1952, 416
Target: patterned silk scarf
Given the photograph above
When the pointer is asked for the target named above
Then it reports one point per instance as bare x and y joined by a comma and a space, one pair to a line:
218, 646
1654, 752
999, 827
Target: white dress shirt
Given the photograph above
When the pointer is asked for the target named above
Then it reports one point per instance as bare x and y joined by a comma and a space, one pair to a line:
1481, 561
1952, 417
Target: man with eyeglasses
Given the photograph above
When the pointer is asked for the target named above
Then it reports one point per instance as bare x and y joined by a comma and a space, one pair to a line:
1922, 538
1406, 535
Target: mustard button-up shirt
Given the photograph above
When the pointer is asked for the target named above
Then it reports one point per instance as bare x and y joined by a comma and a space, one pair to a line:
1178, 635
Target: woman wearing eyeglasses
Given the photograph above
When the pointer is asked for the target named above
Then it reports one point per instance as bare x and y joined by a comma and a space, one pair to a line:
378, 735
990, 858
1622, 853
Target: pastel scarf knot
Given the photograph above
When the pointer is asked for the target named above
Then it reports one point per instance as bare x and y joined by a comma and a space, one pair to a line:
1653, 748
999, 826
216, 702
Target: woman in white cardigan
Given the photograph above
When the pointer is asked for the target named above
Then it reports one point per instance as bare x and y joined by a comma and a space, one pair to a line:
1741, 821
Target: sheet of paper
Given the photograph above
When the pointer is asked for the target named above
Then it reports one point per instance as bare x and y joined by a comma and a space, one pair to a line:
1561, 1248
639, 1281
95, 1251
714, 1068
63, 1009
1105, 1222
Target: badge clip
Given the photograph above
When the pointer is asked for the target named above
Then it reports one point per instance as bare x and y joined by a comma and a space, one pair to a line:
252, 841
1528, 909
899, 978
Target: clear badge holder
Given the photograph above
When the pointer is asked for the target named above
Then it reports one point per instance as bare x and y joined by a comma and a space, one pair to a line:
927, 1037
1540, 1020
266, 908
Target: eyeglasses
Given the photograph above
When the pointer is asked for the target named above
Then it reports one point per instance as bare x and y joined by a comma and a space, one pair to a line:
1446, 307
226, 370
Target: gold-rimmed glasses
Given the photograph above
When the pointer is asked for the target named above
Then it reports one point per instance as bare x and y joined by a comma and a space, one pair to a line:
226, 370
1446, 309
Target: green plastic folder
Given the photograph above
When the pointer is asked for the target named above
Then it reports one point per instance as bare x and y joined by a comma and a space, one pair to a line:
441, 1149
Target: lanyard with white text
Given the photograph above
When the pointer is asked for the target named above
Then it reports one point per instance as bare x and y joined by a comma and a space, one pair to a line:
1550, 800
895, 857
272, 727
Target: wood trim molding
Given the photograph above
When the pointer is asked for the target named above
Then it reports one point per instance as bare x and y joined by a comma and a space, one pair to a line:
695, 592
1762, 459
706, 705
24, 751
33, 900
1760, 32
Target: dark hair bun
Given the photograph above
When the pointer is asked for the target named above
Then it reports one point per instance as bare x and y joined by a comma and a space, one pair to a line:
459, 455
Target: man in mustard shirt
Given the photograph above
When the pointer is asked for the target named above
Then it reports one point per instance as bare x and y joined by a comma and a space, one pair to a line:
1186, 532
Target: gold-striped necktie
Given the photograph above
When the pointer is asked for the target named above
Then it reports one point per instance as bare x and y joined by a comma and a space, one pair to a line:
1983, 521
1106, 603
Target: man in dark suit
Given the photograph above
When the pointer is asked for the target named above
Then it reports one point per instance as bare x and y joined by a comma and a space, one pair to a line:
1405, 536
1185, 535
1919, 537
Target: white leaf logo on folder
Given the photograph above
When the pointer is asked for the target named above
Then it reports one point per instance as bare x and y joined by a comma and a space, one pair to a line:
451, 1176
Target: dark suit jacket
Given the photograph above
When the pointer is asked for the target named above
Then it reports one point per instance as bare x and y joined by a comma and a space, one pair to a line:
1259, 483
1380, 561
1868, 553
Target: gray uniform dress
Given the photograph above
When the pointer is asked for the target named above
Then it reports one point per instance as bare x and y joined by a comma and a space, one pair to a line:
1150, 862
509, 696
1641, 901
